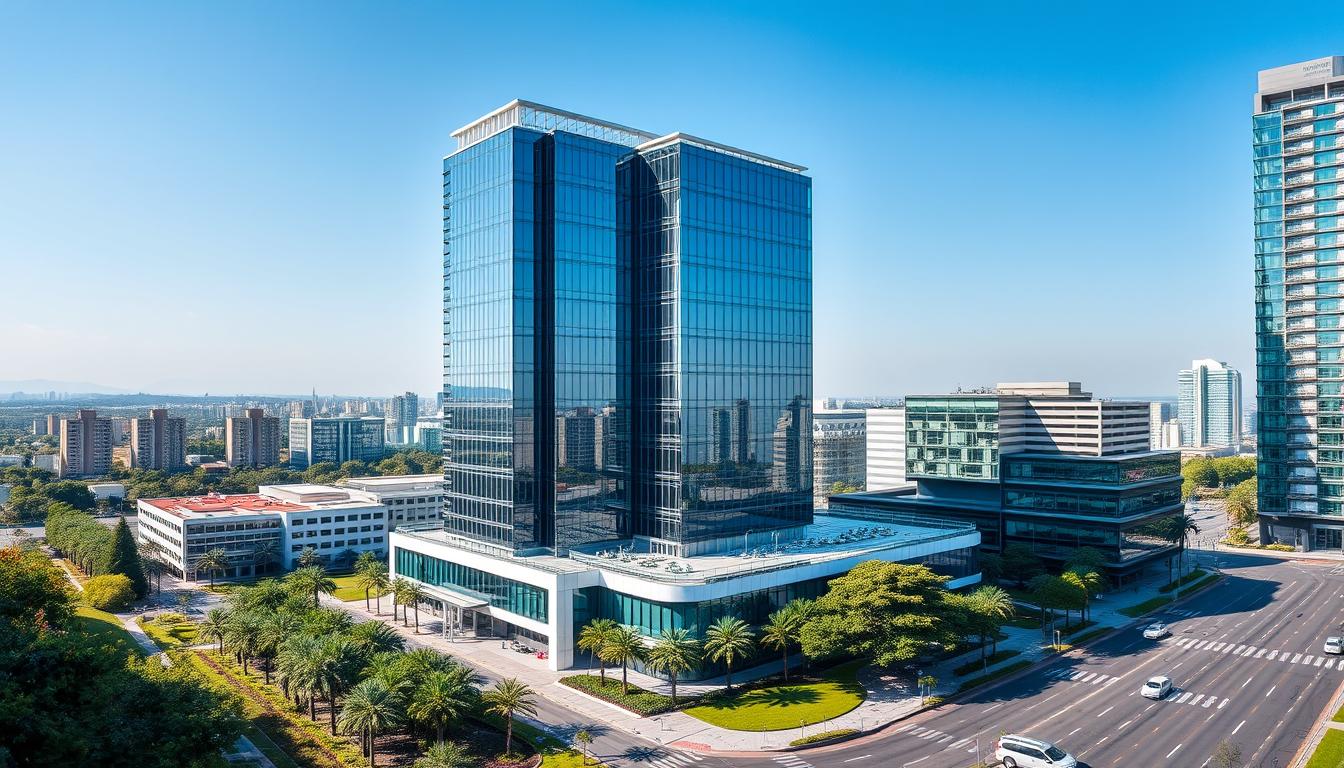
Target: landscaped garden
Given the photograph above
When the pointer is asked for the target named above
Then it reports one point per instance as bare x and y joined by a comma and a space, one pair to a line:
169, 630
777, 707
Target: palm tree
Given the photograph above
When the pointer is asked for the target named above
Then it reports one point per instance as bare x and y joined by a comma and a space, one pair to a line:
153, 568
583, 738
365, 561
213, 560
591, 639
441, 698
240, 636
1088, 580
379, 582
449, 754
624, 646
338, 666
414, 595
309, 558
729, 639
1182, 527
297, 664
989, 606
264, 553
371, 576
275, 629
213, 626
675, 653
375, 637
783, 629
509, 697
400, 586
370, 709
312, 580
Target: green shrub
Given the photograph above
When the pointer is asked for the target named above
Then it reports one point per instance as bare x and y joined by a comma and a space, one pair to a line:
1281, 547
638, 700
109, 593
823, 736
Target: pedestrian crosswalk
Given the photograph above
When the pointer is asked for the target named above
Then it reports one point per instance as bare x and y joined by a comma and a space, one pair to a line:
1264, 654
1182, 612
792, 761
1070, 675
1193, 699
669, 759
934, 736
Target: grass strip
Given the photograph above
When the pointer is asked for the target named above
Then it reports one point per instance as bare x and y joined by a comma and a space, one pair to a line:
823, 736
975, 665
1330, 752
966, 685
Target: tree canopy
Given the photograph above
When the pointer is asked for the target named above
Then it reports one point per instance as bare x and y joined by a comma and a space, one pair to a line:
890, 611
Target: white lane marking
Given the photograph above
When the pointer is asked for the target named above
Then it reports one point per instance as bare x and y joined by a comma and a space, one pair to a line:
1260, 652
1271, 655
1209, 701
1308, 659
1329, 663
852, 759
1195, 701
1250, 650
1104, 711
1271, 690
1077, 675
1296, 657
1238, 728
1184, 697
1087, 678
946, 739
1239, 649
1224, 704
1172, 752
956, 744
1122, 725
904, 728
1318, 661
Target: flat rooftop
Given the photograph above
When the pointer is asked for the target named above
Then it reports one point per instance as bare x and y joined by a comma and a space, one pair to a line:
391, 482
217, 505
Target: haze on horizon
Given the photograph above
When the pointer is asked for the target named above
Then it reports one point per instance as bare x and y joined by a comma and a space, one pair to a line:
246, 198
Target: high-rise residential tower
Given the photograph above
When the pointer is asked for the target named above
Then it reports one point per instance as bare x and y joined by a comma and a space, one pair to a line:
1209, 405
628, 384
335, 439
1298, 138
86, 445
401, 412
252, 440
158, 442
839, 453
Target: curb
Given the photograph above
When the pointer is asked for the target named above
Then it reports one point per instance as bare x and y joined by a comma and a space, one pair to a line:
1309, 746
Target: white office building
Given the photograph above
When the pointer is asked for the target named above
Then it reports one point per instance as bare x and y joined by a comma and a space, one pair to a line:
1209, 405
414, 500
885, 441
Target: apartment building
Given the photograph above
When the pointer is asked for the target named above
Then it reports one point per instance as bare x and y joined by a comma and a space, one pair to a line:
252, 440
86, 445
158, 441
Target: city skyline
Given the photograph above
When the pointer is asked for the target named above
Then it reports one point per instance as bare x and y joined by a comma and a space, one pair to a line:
322, 188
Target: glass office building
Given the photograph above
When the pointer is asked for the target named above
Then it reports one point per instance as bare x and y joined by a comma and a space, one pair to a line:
600, 280
1298, 145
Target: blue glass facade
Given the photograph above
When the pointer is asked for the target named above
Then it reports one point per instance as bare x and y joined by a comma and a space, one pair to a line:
627, 338
514, 596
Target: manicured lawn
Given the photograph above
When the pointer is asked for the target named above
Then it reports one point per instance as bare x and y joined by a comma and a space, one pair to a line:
1330, 753
171, 634
1339, 716
785, 706
107, 628
348, 589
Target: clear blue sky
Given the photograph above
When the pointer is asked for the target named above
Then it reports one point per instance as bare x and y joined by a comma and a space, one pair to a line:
233, 197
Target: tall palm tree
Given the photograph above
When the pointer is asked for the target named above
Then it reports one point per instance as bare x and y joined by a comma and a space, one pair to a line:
309, 558
337, 669
312, 580
364, 561
624, 646
508, 698
441, 698
370, 709
379, 582
1182, 527
213, 560
370, 576
990, 606
400, 585
240, 636
783, 629
375, 637
213, 625
153, 568
675, 653
591, 639
414, 595
449, 754
297, 665
275, 629
728, 640
264, 553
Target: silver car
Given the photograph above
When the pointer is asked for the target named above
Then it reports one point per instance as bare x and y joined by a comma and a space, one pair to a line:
1334, 645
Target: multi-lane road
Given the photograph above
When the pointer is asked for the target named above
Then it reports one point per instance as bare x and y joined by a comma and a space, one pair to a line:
1245, 657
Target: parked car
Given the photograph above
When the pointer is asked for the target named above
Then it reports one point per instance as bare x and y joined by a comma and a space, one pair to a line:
1334, 645
1156, 631
1156, 687
1016, 751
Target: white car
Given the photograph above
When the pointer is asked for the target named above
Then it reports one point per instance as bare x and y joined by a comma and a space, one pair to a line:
1334, 645
1156, 687
1024, 752
1156, 631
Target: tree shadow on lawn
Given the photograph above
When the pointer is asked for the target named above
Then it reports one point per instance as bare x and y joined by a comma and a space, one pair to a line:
784, 696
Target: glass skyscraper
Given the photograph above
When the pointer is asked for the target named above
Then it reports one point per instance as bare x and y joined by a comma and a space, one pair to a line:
1209, 405
659, 287
1298, 140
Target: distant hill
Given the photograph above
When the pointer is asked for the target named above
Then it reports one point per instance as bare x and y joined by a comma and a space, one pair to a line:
42, 386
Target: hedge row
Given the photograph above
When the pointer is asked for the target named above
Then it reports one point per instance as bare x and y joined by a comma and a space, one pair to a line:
638, 700
823, 736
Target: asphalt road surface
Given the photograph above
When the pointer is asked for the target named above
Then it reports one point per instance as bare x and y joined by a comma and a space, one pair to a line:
1245, 658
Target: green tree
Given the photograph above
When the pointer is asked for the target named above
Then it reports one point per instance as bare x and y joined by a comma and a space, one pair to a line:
1021, 563
991, 568
891, 612
375, 637
1086, 557
274, 630
591, 639
213, 561
264, 554
338, 667
414, 594
1087, 580
1227, 755
988, 608
213, 627
31, 588
370, 709
371, 576
624, 646
1243, 503
240, 636
508, 698
449, 754
1054, 593
311, 580
153, 568
784, 629
125, 558
585, 740
675, 653
1201, 472
308, 558
298, 668
1180, 528
1232, 470
728, 640
112, 592
442, 698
